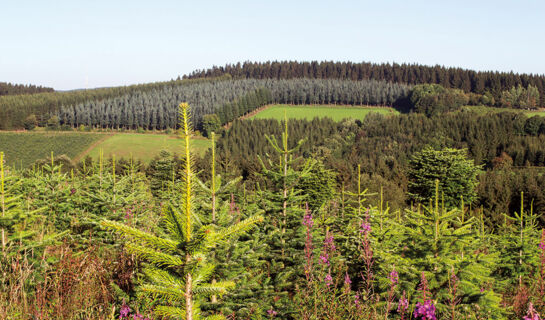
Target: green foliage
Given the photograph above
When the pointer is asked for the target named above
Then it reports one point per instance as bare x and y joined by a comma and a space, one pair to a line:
433, 99
319, 186
520, 97
440, 243
53, 123
30, 122
456, 174
210, 123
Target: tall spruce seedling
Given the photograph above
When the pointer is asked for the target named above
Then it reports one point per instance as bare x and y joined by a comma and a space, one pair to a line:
179, 262
216, 189
283, 205
286, 178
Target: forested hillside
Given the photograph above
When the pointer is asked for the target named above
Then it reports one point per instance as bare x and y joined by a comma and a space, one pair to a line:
156, 109
383, 145
479, 82
15, 109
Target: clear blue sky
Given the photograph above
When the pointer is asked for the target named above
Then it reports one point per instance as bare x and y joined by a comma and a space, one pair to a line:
74, 44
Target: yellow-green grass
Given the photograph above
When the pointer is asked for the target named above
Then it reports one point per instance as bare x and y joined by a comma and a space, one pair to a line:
144, 146
485, 110
22, 149
309, 112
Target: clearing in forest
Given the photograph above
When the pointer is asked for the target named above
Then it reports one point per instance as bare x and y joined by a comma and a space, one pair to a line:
143, 146
309, 112
486, 110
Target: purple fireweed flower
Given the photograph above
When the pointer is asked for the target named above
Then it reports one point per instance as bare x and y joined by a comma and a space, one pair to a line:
542, 245
393, 277
272, 313
403, 304
328, 280
357, 299
347, 280
324, 258
307, 221
128, 214
329, 243
365, 227
124, 311
532, 313
425, 310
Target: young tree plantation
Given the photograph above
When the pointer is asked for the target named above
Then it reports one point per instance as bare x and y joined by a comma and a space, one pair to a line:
432, 208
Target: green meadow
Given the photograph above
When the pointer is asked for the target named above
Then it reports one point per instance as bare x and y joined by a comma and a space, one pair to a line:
144, 146
309, 112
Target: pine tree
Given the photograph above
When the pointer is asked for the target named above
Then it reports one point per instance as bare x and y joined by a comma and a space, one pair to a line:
179, 260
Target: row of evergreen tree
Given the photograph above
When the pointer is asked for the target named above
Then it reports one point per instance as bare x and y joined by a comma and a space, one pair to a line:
468, 80
157, 108
14, 109
7, 88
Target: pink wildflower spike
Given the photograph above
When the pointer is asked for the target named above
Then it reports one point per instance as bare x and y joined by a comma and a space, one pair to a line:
324, 258
329, 243
307, 220
124, 311
393, 276
532, 313
347, 280
365, 227
425, 310
403, 304
328, 280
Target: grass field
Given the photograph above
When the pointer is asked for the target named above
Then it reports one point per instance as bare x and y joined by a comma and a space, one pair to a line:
485, 110
143, 146
310, 112
23, 149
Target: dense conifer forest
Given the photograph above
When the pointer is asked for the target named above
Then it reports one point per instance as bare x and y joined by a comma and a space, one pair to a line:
490, 82
16, 89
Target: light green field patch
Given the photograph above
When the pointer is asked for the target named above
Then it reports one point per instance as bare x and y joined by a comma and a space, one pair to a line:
22, 149
144, 146
540, 113
309, 112
485, 110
